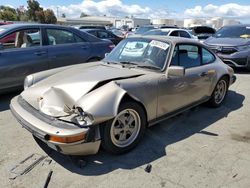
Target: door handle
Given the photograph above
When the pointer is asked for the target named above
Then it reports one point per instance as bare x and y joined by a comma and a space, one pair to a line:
203, 74
40, 53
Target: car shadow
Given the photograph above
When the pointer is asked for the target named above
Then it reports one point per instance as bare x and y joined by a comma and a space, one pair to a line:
155, 142
5, 100
241, 71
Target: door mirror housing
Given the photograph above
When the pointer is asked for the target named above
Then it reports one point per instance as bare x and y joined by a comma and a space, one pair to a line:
176, 71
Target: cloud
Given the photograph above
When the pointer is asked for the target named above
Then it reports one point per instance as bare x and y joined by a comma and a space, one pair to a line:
110, 8
231, 10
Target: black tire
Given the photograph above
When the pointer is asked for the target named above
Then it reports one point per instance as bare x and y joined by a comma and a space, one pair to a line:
110, 145
212, 101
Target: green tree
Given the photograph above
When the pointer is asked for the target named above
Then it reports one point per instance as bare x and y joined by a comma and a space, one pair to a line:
34, 10
63, 15
40, 16
50, 17
8, 13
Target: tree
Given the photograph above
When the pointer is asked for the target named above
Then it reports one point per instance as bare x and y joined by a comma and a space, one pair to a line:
83, 15
40, 16
34, 10
8, 13
63, 15
50, 17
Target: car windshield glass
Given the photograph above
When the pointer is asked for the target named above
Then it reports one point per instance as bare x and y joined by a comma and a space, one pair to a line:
143, 53
2, 30
156, 32
233, 32
142, 30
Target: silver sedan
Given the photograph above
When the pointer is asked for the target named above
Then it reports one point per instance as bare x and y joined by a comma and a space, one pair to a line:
143, 81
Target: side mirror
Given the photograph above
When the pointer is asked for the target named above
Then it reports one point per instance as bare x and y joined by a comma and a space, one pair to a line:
1, 46
176, 71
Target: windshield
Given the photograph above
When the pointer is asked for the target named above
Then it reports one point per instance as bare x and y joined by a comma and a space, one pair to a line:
142, 30
156, 32
144, 53
233, 32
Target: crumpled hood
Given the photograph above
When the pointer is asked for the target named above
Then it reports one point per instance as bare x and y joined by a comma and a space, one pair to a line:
227, 41
63, 89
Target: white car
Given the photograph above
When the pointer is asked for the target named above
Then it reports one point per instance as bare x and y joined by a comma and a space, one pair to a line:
175, 32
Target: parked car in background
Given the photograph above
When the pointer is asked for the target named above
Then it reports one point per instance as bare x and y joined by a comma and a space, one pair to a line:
118, 32
38, 47
143, 81
143, 29
175, 32
232, 45
202, 32
103, 34
89, 27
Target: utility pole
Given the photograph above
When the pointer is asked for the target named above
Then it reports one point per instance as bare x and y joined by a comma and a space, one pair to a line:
57, 12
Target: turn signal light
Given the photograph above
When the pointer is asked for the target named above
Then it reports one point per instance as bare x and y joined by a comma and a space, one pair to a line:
68, 139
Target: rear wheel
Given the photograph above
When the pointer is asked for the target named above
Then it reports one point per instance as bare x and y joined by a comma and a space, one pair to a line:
123, 132
219, 93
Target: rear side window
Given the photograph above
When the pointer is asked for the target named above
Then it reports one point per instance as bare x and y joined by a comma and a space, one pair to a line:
58, 36
174, 34
25, 38
184, 34
207, 57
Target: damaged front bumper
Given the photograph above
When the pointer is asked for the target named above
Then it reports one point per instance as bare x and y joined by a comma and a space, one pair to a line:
45, 128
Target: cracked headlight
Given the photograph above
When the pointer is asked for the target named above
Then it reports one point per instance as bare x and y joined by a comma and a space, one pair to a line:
28, 81
83, 118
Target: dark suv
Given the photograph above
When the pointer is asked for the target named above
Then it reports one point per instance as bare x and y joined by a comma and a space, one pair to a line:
232, 45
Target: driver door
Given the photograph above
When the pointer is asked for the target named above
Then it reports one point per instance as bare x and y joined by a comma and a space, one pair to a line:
176, 93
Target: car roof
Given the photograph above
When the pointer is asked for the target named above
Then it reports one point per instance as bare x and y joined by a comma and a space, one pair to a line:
170, 29
168, 39
93, 29
238, 25
13, 26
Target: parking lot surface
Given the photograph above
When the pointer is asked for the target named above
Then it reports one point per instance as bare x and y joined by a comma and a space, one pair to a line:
203, 147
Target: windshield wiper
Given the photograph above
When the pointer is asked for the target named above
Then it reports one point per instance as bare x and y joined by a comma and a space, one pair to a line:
128, 63
149, 67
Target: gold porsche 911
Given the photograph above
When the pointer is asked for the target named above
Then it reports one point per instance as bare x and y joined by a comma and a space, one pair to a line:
143, 81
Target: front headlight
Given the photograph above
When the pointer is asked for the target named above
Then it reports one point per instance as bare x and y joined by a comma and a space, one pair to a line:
242, 48
83, 118
28, 81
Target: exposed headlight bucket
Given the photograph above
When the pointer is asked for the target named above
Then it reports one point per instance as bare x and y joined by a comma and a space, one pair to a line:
242, 48
28, 81
83, 118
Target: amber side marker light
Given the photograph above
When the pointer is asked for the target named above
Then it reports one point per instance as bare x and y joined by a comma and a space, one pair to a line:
68, 139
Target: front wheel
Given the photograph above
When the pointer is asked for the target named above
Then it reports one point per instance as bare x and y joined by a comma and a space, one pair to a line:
123, 132
219, 93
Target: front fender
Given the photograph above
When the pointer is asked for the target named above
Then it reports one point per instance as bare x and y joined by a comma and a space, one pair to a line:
103, 102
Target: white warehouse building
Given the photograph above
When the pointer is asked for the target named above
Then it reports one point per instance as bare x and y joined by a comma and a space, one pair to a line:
105, 21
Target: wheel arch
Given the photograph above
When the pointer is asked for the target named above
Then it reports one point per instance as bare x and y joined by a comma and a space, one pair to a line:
127, 97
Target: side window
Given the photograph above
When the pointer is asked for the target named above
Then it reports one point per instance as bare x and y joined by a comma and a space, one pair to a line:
58, 36
103, 34
184, 34
174, 61
22, 39
207, 57
189, 56
174, 34
93, 33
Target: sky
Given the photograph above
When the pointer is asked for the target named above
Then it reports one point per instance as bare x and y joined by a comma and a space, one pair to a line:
239, 9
